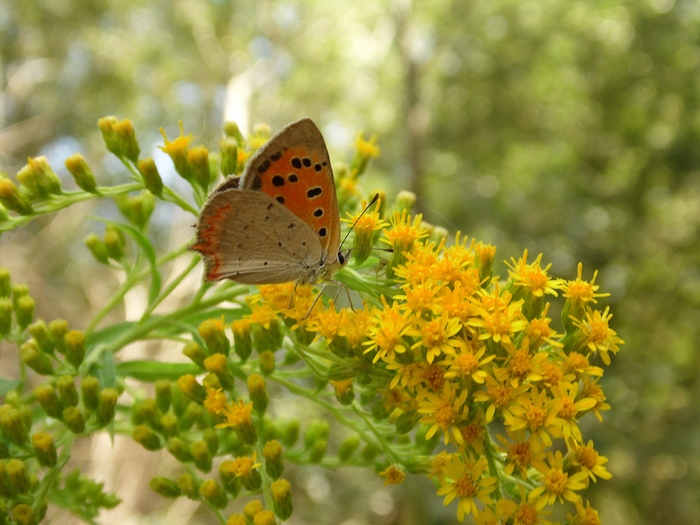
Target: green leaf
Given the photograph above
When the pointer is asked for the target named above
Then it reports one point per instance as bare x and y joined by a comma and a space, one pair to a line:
153, 370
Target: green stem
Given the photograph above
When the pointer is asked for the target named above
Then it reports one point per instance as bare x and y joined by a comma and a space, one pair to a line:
168, 289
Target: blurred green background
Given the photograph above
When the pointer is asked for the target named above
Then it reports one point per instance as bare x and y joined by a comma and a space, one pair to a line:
565, 127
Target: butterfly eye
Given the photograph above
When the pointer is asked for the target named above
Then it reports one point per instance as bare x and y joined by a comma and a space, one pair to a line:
343, 257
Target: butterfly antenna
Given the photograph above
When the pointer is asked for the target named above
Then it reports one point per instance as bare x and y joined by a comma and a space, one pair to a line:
375, 199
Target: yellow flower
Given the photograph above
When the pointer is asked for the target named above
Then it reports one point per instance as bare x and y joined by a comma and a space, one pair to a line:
367, 148
590, 462
598, 336
578, 365
580, 291
536, 413
215, 402
556, 483
389, 326
454, 302
444, 411
539, 331
584, 515
402, 234
521, 365
466, 482
499, 395
393, 475
520, 453
436, 337
468, 362
591, 388
532, 277
419, 297
498, 319
569, 409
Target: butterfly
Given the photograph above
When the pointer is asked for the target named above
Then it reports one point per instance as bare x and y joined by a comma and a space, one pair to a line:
279, 221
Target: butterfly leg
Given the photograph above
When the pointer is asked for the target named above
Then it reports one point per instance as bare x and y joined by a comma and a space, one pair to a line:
291, 297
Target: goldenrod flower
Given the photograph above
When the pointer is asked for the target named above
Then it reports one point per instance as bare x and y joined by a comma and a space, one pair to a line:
580, 291
521, 365
557, 484
443, 411
436, 337
386, 334
536, 413
498, 317
590, 462
393, 475
468, 362
569, 408
532, 277
584, 515
465, 480
499, 395
598, 336
520, 453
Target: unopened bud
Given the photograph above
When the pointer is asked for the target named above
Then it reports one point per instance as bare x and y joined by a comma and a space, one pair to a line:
258, 392
281, 492
82, 174
211, 491
196, 353
214, 336
198, 160
12, 198
34, 359
106, 403
151, 178
74, 420
39, 179
45, 449
229, 156
274, 460
67, 391
48, 399
189, 385
164, 487
146, 438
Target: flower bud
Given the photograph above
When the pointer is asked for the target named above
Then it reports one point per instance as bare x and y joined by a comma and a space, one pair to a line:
114, 242
82, 174
5, 283
145, 411
195, 353
17, 472
188, 486
348, 447
164, 394
252, 509
137, 209
282, 498
90, 388
106, 403
211, 438
344, 391
369, 453
179, 449
126, 136
42, 336
97, 248
23, 514
67, 391
269, 338
251, 479
407, 421
145, 437
13, 198
5, 316
229, 156
258, 392
210, 381
228, 476
151, 178
198, 161
192, 415
39, 179
290, 433
242, 341
75, 347
267, 363
318, 430
106, 125
6, 488
168, 425
34, 359
274, 460
188, 384
201, 455
47, 398
164, 487
211, 491
45, 449
212, 332
74, 420
12, 425
405, 200
216, 364
231, 129
58, 328
24, 310
485, 254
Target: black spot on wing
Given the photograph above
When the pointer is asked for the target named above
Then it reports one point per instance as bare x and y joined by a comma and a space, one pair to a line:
257, 183
276, 156
277, 181
296, 163
314, 192
280, 199
264, 166
318, 212
306, 161
292, 177
322, 232
317, 167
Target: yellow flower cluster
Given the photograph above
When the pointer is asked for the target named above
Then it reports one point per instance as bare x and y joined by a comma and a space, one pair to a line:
476, 360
